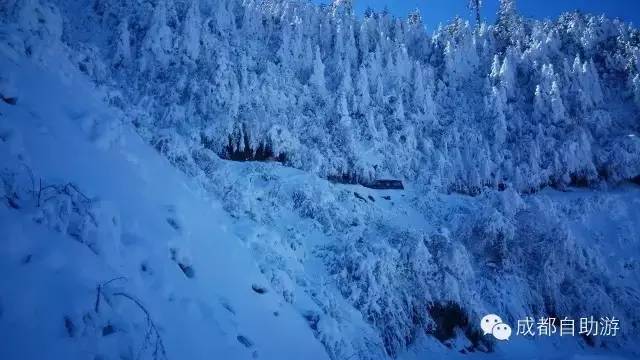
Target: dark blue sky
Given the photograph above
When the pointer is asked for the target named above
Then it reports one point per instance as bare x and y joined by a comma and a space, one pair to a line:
441, 11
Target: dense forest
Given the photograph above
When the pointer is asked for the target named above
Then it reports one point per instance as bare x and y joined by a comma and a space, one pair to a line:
518, 143
518, 103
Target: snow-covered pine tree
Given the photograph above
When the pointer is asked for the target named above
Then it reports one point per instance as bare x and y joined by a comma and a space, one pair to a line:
475, 6
191, 29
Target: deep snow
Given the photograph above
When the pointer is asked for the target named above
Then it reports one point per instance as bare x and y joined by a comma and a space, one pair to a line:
49, 276
242, 260
146, 208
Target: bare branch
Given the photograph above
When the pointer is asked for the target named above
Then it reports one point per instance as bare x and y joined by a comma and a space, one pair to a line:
159, 349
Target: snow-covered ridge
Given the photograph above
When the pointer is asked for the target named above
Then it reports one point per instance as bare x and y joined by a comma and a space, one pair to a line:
243, 260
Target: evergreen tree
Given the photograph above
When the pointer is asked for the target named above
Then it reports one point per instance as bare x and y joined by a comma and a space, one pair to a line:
475, 6
317, 80
158, 40
192, 24
508, 24
122, 55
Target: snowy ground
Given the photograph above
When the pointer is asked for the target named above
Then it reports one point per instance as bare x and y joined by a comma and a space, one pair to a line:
120, 255
144, 211
602, 223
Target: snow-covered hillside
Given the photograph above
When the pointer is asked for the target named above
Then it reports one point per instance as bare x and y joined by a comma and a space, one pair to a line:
520, 103
129, 230
108, 251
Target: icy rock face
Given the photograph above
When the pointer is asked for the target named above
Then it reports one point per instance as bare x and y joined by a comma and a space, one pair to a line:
514, 141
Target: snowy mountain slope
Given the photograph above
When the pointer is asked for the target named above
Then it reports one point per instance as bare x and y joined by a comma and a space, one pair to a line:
238, 259
142, 221
548, 252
